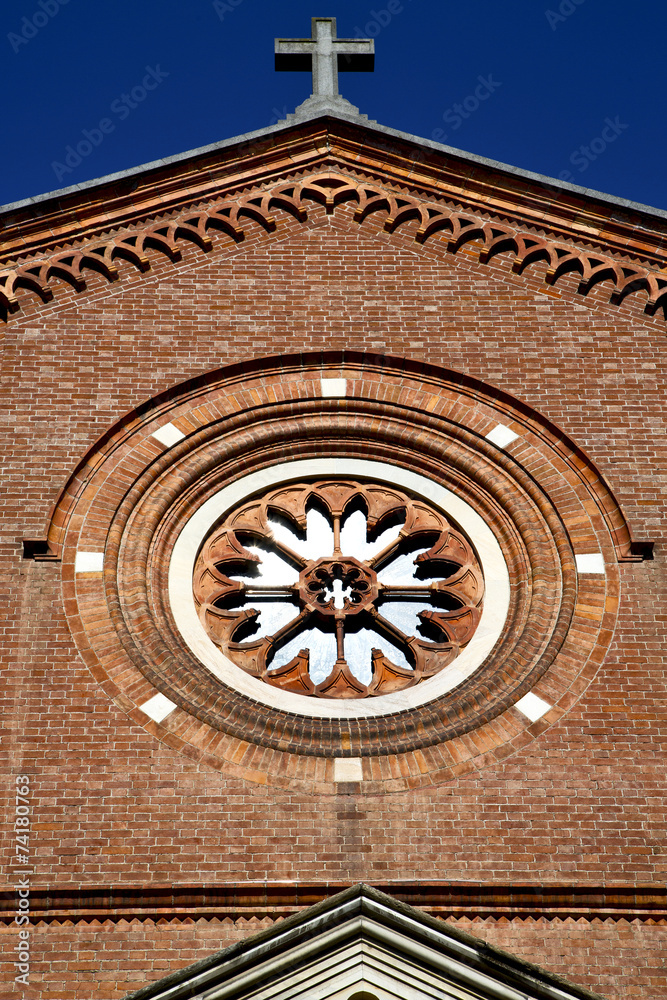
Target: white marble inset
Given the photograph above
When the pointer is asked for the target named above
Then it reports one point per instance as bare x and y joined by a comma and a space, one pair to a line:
348, 769
501, 436
188, 544
89, 562
158, 707
334, 386
168, 435
532, 706
590, 562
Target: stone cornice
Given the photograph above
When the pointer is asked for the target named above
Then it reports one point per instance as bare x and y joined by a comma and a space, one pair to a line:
220, 197
527, 199
236, 901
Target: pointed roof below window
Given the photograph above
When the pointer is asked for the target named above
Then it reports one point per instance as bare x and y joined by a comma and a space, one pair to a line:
362, 944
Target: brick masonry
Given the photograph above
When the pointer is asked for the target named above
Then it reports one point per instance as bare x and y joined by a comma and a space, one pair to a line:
108, 960
116, 802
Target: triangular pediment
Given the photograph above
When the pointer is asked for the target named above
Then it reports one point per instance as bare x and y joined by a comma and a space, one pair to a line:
250, 189
362, 945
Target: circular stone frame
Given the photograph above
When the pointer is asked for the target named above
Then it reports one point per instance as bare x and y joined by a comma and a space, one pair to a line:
462, 515
169, 470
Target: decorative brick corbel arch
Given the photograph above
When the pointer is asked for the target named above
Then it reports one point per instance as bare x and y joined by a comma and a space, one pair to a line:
116, 527
427, 214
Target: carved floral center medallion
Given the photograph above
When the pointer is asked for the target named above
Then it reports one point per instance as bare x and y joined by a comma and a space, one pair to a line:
338, 586
338, 589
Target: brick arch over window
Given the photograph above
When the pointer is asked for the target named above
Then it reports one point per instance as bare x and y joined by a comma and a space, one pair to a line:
557, 523
508, 409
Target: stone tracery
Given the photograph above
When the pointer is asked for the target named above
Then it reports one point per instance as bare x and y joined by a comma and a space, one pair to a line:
344, 616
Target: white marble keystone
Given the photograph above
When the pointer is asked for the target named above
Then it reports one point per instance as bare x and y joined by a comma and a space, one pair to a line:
348, 769
168, 435
590, 562
158, 707
334, 386
501, 436
89, 562
532, 706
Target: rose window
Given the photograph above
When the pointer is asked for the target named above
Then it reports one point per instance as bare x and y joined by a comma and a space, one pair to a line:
338, 589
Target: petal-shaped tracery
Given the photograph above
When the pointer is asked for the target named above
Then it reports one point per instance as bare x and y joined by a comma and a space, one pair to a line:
339, 589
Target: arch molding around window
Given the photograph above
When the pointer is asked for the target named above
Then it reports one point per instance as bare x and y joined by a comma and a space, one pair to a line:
340, 556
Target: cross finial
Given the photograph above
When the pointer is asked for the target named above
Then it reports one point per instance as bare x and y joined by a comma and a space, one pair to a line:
325, 55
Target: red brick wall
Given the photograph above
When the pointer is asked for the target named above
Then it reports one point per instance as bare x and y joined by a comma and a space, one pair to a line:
112, 805
105, 961
617, 959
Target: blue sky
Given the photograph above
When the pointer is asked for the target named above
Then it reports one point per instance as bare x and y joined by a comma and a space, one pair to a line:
568, 88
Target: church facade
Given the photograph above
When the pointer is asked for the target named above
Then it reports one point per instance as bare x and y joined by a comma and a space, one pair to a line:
332, 555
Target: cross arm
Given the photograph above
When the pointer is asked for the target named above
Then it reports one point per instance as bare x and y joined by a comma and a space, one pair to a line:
355, 55
352, 54
292, 58
325, 55
294, 54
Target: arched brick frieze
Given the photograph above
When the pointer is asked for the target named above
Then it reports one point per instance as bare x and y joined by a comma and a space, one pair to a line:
482, 489
228, 216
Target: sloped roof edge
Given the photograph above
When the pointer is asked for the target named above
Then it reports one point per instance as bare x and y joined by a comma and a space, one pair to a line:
360, 121
361, 900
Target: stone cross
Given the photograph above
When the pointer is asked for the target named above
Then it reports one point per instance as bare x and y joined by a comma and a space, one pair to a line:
325, 55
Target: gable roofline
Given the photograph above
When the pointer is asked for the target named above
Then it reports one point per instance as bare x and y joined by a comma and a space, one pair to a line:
362, 908
350, 118
330, 158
